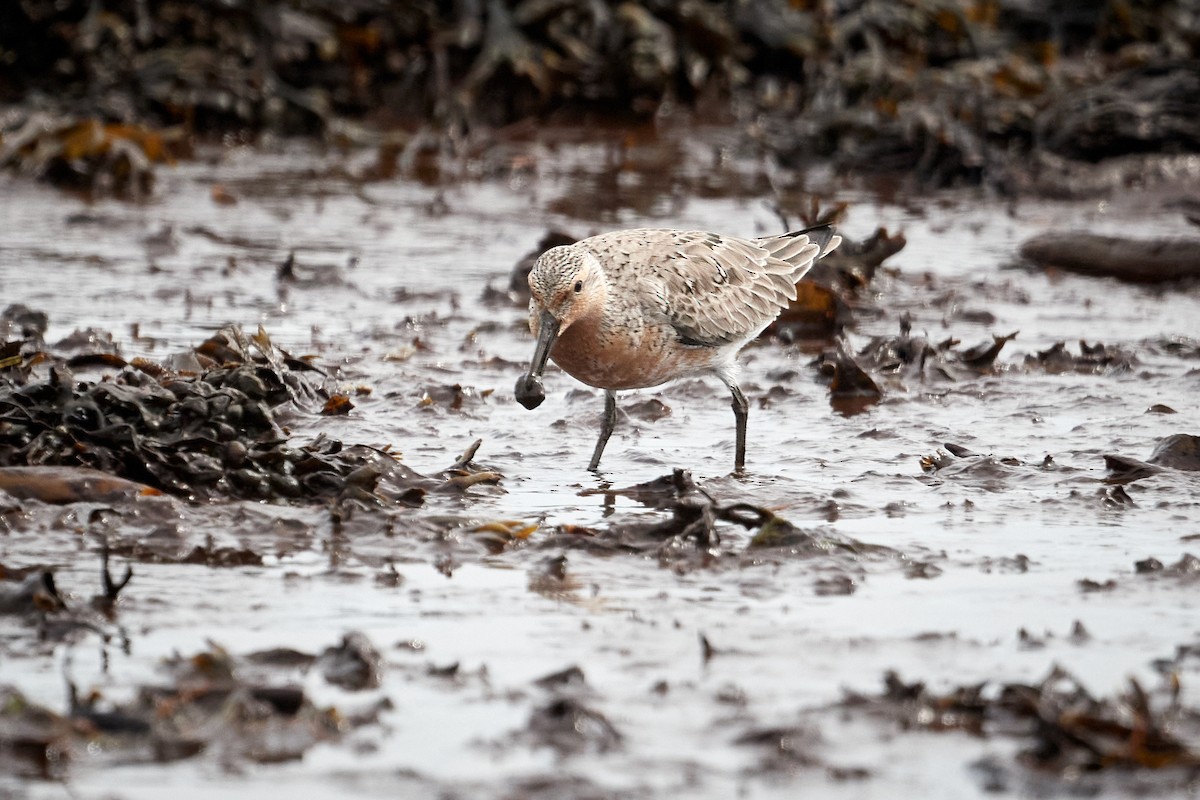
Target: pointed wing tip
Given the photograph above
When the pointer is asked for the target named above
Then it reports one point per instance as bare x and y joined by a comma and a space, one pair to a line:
824, 236
831, 245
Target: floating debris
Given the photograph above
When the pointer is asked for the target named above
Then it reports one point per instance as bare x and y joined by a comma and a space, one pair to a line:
1124, 258
90, 154
1095, 359
1063, 727
1179, 451
567, 725
233, 710
783, 748
851, 389
354, 664
27, 591
1186, 568
33, 592
690, 535
70, 485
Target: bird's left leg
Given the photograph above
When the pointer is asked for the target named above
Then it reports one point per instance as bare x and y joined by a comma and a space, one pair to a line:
606, 427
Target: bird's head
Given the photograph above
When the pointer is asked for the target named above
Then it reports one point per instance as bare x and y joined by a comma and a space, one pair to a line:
565, 284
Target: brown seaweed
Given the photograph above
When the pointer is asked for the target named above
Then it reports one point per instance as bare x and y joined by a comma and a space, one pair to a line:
1063, 728
201, 435
1003, 94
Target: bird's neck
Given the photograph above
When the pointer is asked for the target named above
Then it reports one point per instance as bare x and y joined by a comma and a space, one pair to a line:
589, 322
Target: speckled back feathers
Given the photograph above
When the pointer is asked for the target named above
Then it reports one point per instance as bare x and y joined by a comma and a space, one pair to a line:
712, 289
640, 307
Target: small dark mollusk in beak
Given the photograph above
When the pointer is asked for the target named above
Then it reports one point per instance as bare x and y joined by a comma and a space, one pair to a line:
530, 392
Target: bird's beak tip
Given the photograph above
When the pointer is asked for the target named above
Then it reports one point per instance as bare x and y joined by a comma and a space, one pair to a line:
530, 392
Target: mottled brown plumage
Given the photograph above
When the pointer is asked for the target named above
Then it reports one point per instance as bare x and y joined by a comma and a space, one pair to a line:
637, 308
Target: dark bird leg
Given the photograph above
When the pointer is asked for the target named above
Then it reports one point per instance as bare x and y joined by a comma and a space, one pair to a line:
741, 410
606, 426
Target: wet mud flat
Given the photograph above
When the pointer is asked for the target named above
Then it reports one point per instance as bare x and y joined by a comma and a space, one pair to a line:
334, 553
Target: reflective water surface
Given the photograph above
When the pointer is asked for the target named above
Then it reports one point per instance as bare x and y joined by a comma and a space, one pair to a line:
392, 293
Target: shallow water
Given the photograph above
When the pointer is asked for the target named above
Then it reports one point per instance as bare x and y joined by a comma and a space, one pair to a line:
390, 279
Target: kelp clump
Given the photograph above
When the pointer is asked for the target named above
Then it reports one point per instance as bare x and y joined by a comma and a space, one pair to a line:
202, 427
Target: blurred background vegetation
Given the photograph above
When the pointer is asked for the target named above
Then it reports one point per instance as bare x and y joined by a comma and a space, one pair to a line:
950, 90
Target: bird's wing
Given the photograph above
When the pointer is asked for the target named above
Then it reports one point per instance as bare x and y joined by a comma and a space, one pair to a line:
712, 289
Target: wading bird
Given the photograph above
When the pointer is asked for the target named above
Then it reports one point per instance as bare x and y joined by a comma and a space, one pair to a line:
637, 308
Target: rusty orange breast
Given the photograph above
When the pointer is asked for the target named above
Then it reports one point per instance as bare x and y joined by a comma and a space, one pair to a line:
620, 358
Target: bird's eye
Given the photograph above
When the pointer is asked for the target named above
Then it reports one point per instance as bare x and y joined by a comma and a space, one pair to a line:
578, 287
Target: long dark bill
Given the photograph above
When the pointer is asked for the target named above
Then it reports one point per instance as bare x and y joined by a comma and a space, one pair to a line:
530, 392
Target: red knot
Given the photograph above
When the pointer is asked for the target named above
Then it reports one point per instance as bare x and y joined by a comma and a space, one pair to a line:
637, 308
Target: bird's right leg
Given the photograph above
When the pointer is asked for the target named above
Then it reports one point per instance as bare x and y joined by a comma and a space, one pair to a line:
606, 426
741, 410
